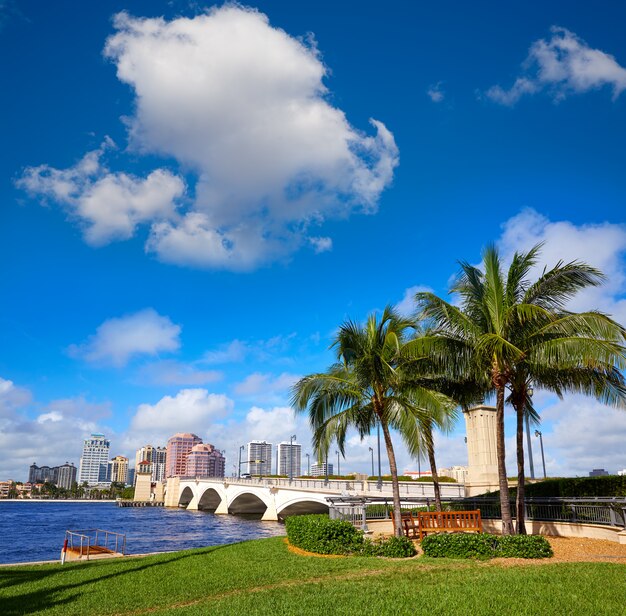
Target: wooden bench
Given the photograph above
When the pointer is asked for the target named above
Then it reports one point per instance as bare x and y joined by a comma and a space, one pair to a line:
409, 524
449, 522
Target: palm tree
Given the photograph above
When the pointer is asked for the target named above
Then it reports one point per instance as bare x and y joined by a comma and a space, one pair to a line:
366, 388
517, 334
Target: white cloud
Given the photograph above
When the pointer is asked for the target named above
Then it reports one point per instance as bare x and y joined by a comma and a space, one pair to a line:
53, 437
191, 410
600, 245
117, 340
321, 244
243, 105
406, 306
436, 93
108, 205
172, 372
580, 435
266, 387
563, 65
235, 351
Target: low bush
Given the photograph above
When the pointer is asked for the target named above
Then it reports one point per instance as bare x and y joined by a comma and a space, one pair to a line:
319, 534
459, 545
524, 546
483, 546
390, 547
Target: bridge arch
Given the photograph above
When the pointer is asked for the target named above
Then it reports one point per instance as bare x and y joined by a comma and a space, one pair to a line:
301, 507
247, 503
186, 496
210, 500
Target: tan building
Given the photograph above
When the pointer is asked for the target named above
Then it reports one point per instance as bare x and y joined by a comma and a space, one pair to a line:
458, 473
118, 469
143, 481
157, 456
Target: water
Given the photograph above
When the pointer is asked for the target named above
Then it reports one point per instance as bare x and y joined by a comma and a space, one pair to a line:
32, 531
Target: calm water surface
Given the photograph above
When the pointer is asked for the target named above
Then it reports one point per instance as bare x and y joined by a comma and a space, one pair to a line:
31, 531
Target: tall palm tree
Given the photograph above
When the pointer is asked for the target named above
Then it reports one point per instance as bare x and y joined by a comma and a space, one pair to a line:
518, 334
366, 388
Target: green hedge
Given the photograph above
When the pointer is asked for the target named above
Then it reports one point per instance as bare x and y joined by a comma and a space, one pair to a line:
321, 535
318, 533
483, 546
609, 485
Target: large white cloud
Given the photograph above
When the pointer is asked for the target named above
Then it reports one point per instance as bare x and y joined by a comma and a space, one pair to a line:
108, 205
266, 387
563, 65
190, 410
48, 435
601, 245
242, 108
117, 340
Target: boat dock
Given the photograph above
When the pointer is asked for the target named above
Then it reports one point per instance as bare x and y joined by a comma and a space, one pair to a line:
92, 544
134, 503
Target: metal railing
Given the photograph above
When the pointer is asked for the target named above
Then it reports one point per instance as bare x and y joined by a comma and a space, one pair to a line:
597, 511
582, 510
82, 541
407, 488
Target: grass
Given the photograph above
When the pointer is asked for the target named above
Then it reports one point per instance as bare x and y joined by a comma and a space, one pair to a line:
263, 577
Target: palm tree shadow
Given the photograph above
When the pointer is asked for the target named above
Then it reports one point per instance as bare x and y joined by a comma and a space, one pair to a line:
50, 597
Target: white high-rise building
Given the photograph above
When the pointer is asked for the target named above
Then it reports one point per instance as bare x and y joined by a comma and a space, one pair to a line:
157, 456
319, 469
259, 458
289, 462
94, 463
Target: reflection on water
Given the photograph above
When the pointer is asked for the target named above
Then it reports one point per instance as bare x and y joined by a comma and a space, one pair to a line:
31, 531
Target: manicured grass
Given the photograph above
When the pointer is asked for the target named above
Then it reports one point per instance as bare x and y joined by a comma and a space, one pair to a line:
263, 577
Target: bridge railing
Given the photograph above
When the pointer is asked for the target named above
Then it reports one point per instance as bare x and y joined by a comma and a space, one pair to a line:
407, 488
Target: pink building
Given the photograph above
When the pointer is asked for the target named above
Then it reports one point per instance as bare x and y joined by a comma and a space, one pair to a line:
178, 447
205, 461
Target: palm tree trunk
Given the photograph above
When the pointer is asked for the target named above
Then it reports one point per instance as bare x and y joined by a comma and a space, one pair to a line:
519, 499
505, 505
430, 446
395, 486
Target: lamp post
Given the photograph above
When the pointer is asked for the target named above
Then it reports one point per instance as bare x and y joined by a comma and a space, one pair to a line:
241, 448
530, 392
380, 472
543, 459
326, 468
291, 440
308, 463
372, 452
338, 465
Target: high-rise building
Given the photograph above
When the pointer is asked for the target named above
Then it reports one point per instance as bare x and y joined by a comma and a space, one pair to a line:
319, 469
94, 463
205, 461
178, 447
158, 457
118, 472
66, 476
43, 474
259, 458
289, 459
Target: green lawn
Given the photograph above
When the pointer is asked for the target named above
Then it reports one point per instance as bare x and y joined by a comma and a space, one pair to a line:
263, 577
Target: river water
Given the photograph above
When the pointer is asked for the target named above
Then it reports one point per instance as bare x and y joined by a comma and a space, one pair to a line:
33, 531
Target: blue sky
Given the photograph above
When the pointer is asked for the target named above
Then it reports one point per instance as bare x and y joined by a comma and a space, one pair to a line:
195, 196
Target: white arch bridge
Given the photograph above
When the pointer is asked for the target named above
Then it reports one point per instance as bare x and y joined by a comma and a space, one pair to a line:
276, 499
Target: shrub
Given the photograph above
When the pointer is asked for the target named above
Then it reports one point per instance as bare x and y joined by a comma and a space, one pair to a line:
524, 546
459, 545
565, 487
391, 547
320, 534
482, 545
442, 479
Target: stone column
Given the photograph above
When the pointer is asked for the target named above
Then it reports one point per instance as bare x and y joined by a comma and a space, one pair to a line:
482, 475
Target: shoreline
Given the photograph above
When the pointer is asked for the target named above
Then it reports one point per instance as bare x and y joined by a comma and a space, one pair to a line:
57, 500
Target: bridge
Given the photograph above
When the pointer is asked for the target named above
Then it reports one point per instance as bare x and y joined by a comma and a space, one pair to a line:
275, 498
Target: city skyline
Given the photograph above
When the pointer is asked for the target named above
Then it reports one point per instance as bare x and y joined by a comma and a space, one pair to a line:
179, 256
